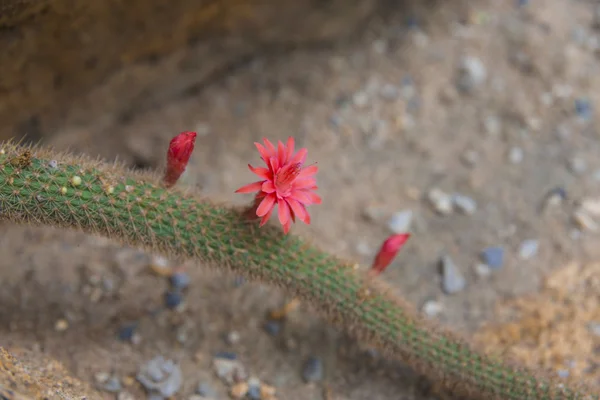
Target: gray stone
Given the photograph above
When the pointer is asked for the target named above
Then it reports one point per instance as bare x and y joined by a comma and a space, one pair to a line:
401, 221
313, 370
471, 73
464, 204
440, 201
516, 155
529, 249
229, 371
160, 376
452, 279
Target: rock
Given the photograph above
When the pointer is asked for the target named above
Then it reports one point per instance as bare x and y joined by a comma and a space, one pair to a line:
440, 201
205, 390
160, 376
492, 125
529, 249
232, 337
229, 371
173, 299
272, 327
594, 328
61, 325
493, 257
313, 370
432, 308
401, 221
112, 385
516, 155
584, 221
591, 206
470, 158
125, 396
239, 390
482, 270
555, 196
127, 331
254, 389
452, 279
464, 204
577, 165
584, 109
471, 73
360, 99
180, 280
389, 92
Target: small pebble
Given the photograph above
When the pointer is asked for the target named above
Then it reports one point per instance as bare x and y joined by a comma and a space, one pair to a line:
470, 158
227, 355
229, 371
401, 221
173, 299
483, 270
492, 125
267, 392
180, 280
160, 266
389, 92
516, 155
313, 370
583, 109
53, 164
432, 308
594, 327
563, 373
472, 73
112, 385
272, 327
452, 279
61, 325
160, 376
441, 201
205, 390
591, 206
584, 221
493, 257
127, 331
101, 377
254, 389
360, 99
125, 396
577, 165
232, 337
529, 249
239, 390
555, 196
464, 204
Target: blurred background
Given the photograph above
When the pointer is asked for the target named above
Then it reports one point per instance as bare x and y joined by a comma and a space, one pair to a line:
471, 124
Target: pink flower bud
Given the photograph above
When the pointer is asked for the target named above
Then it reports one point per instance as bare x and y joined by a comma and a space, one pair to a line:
178, 155
388, 251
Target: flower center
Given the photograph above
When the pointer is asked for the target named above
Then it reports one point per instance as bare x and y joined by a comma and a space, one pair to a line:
285, 177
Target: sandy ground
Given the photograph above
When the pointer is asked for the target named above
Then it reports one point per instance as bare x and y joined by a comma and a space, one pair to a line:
387, 121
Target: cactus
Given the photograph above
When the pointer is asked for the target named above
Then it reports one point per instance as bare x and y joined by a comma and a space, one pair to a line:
43, 187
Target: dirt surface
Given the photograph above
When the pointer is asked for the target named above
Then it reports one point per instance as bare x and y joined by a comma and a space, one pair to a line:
386, 120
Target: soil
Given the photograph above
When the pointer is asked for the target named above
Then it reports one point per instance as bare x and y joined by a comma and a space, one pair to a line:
67, 295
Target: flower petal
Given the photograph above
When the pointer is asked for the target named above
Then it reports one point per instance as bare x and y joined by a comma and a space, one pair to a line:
260, 171
286, 227
281, 154
252, 187
265, 205
300, 157
284, 211
290, 148
308, 171
268, 187
270, 147
299, 210
306, 197
304, 183
266, 217
264, 154
274, 164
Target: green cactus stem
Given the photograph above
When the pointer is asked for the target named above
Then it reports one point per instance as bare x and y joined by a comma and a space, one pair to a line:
42, 187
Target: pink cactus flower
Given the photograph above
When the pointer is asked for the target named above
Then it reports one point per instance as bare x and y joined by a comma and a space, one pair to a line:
284, 183
178, 155
388, 251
